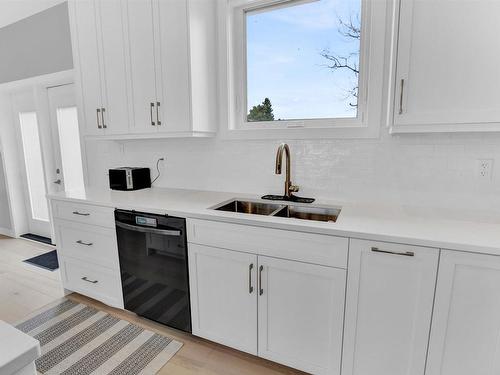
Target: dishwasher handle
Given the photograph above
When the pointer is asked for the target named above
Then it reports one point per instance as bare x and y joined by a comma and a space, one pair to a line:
165, 232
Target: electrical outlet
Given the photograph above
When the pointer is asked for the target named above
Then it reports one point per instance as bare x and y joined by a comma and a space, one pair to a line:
485, 169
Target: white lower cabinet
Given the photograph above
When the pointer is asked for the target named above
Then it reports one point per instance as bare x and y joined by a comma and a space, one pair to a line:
465, 334
299, 307
390, 292
223, 291
88, 250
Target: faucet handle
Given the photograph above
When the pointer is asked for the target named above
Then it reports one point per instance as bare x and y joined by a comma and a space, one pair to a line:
293, 188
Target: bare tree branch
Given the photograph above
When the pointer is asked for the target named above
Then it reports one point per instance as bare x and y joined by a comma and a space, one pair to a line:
350, 29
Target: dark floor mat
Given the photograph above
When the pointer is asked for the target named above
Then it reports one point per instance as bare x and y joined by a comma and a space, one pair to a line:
46, 261
36, 237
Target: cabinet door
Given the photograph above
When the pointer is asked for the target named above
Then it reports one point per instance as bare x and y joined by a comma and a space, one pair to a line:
85, 36
390, 291
223, 291
446, 64
301, 309
466, 322
115, 90
172, 56
139, 29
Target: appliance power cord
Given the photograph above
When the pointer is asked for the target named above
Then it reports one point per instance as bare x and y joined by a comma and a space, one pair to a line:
158, 170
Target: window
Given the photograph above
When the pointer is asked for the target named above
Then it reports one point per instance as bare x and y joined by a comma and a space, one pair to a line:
69, 142
303, 64
303, 60
34, 165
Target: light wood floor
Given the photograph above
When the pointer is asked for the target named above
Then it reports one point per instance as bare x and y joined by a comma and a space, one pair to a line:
25, 288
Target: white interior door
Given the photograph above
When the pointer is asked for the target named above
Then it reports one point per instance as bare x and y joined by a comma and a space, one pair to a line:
27, 122
67, 172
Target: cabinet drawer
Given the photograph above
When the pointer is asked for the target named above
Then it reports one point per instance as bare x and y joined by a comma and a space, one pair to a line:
84, 213
87, 242
93, 281
305, 247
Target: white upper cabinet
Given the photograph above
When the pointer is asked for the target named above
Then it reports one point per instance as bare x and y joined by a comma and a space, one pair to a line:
172, 47
466, 322
99, 48
114, 84
147, 67
139, 30
447, 76
84, 35
390, 291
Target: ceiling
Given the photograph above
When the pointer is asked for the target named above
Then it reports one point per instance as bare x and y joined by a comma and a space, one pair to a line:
14, 10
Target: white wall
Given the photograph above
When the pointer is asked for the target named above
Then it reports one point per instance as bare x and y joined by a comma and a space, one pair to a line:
435, 170
37, 45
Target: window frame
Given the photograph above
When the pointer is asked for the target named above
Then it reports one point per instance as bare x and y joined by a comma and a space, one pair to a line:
233, 73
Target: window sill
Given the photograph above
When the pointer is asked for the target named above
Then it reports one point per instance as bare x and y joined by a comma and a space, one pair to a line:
352, 132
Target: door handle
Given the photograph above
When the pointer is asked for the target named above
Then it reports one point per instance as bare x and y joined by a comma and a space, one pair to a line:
261, 291
151, 113
89, 281
250, 287
104, 126
405, 253
58, 182
99, 126
80, 242
158, 122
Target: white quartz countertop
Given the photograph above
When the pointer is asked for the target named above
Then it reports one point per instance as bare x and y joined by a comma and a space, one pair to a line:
455, 230
17, 349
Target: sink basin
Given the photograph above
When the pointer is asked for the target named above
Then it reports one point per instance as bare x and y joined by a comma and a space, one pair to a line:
309, 213
245, 207
314, 213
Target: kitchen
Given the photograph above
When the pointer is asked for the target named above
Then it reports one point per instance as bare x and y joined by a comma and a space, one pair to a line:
266, 228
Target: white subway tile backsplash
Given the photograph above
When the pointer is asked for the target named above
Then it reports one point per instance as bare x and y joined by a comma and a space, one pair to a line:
429, 170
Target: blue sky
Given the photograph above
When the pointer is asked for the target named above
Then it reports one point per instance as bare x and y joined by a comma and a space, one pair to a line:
284, 62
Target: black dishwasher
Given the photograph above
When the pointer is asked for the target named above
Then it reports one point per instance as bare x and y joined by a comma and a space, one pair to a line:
154, 269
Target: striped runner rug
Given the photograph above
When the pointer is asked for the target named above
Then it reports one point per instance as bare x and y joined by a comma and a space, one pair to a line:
78, 339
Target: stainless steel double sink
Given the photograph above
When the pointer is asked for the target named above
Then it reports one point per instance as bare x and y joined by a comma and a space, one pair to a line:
296, 211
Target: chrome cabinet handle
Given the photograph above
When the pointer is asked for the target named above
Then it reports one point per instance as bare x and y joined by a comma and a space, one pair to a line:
261, 291
99, 126
89, 281
80, 213
104, 126
158, 122
406, 253
151, 113
250, 287
80, 242
401, 96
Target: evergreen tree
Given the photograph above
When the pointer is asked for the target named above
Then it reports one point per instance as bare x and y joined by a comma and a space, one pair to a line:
261, 112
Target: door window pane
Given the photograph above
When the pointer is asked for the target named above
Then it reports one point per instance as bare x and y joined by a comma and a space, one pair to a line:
69, 141
303, 60
34, 165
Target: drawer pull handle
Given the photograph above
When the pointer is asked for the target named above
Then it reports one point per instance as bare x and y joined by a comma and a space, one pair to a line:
89, 281
261, 291
80, 213
406, 253
80, 242
250, 287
